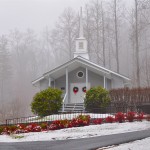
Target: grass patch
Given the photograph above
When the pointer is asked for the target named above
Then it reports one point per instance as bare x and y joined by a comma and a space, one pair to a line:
17, 136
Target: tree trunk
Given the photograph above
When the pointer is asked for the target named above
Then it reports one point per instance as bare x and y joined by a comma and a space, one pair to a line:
116, 35
137, 44
103, 35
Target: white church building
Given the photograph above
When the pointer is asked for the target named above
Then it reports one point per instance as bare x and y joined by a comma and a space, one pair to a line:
80, 74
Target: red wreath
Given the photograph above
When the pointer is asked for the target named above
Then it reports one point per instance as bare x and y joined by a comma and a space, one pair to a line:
84, 89
75, 90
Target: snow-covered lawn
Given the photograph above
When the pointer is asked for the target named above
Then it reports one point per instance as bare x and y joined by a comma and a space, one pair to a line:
78, 132
60, 117
66, 116
136, 145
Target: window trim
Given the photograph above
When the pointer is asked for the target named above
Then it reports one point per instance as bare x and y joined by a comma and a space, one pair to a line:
78, 73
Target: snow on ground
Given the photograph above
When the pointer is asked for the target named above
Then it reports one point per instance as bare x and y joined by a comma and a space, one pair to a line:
78, 132
60, 117
136, 145
68, 116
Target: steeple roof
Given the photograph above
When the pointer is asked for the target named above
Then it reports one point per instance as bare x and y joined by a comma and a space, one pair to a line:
81, 42
81, 25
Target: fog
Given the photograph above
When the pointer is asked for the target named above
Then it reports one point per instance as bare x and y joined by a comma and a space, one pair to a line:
38, 35
35, 14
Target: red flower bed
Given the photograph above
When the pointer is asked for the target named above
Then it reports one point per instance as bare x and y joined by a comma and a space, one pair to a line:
81, 120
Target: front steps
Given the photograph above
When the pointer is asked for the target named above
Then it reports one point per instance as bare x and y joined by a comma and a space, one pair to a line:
73, 107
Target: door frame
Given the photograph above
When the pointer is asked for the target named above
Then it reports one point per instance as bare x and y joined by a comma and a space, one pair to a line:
72, 95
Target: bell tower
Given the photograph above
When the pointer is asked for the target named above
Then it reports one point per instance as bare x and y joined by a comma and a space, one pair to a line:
81, 42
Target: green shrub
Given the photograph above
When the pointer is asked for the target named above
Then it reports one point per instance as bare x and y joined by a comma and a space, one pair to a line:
96, 99
1, 130
47, 102
44, 126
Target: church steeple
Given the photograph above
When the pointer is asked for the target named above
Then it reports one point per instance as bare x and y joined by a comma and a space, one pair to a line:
81, 42
81, 24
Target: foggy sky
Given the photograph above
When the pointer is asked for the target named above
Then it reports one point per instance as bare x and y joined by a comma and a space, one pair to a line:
34, 14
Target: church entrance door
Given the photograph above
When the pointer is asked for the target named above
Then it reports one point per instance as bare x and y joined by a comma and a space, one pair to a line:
77, 92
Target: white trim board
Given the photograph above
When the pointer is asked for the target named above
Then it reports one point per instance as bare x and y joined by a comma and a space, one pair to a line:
85, 62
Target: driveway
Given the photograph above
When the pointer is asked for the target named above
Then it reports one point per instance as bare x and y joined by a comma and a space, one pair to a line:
78, 144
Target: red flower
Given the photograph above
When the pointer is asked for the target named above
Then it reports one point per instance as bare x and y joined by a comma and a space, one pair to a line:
98, 121
130, 116
109, 119
140, 116
53, 127
120, 117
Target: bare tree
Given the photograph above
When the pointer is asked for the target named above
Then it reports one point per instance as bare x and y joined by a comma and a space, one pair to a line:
95, 31
23, 47
116, 34
137, 43
64, 34
5, 73
47, 51
103, 34
139, 36
88, 23
144, 37
95, 10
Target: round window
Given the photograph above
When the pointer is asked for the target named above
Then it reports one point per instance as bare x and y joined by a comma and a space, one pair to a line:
80, 74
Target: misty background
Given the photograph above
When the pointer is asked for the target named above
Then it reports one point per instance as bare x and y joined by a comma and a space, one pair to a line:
38, 35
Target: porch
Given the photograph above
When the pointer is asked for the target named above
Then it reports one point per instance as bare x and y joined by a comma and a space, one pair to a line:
74, 90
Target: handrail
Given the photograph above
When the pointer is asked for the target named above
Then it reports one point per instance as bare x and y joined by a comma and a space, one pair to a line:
84, 97
64, 102
83, 101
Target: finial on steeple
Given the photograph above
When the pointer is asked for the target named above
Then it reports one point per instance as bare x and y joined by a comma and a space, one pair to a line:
81, 24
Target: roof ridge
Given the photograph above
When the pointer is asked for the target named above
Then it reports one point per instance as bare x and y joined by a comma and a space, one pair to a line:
80, 58
103, 67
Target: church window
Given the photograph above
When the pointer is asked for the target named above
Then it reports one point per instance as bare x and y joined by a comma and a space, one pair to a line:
80, 74
80, 45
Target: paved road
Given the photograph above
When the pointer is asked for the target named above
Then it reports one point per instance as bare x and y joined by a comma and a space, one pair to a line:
78, 144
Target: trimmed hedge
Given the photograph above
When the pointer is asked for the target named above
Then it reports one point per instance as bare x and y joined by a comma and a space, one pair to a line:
47, 102
96, 98
1, 130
